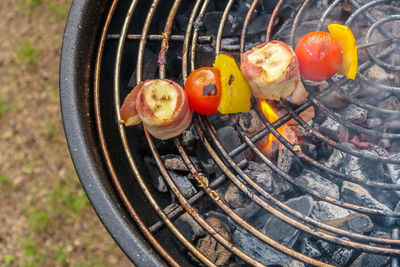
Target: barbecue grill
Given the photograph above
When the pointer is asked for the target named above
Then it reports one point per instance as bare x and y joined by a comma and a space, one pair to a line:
109, 46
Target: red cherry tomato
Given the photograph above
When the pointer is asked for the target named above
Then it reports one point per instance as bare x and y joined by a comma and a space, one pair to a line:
319, 56
203, 88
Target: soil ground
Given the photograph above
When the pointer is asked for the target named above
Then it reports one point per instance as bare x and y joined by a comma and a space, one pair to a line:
45, 217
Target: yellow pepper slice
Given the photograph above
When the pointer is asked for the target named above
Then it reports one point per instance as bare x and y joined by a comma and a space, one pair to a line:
347, 43
235, 93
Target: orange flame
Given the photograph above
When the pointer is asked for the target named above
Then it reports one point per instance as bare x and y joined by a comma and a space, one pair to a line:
272, 117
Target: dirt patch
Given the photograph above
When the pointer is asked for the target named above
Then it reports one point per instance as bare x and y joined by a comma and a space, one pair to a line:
45, 217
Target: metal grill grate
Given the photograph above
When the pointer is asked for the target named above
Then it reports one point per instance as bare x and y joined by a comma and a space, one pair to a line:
224, 159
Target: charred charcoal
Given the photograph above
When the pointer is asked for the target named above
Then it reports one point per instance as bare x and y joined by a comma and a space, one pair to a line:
397, 209
149, 68
156, 177
333, 254
230, 140
384, 221
285, 159
355, 222
285, 156
309, 249
205, 159
277, 230
337, 157
323, 211
250, 122
384, 143
189, 138
254, 215
184, 184
189, 227
235, 197
354, 114
257, 249
391, 127
324, 151
269, 5
211, 248
325, 251
258, 25
318, 183
334, 130
309, 149
335, 101
373, 122
294, 263
176, 163
181, 22
356, 194
204, 55
282, 232
372, 260
220, 121
211, 23
262, 175
394, 170
361, 168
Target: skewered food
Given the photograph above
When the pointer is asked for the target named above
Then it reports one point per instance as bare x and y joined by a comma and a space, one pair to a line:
161, 105
272, 70
319, 56
203, 88
235, 94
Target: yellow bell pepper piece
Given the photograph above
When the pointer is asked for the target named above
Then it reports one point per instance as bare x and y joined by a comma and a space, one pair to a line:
235, 93
347, 43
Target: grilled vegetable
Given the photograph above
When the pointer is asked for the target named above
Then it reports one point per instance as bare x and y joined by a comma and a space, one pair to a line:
235, 91
319, 56
161, 105
272, 71
347, 43
203, 88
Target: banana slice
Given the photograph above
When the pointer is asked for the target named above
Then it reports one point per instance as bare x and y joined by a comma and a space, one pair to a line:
162, 98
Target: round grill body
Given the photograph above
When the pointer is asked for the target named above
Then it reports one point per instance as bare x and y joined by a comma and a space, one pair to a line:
109, 46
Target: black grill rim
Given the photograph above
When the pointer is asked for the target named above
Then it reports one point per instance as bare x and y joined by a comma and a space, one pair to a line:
76, 74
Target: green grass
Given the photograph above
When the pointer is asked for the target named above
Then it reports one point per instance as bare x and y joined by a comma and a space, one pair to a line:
27, 6
28, 53
3, 103
51, 129
32, 256
5, 185
8, 258
38, 219
6, 104
5, 181
59, 11
68, 199
62, 255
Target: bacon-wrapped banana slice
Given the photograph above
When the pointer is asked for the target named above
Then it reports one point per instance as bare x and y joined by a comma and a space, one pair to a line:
161, 105
272, 71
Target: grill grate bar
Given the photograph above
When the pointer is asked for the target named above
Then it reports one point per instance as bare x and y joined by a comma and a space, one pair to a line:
158, 37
